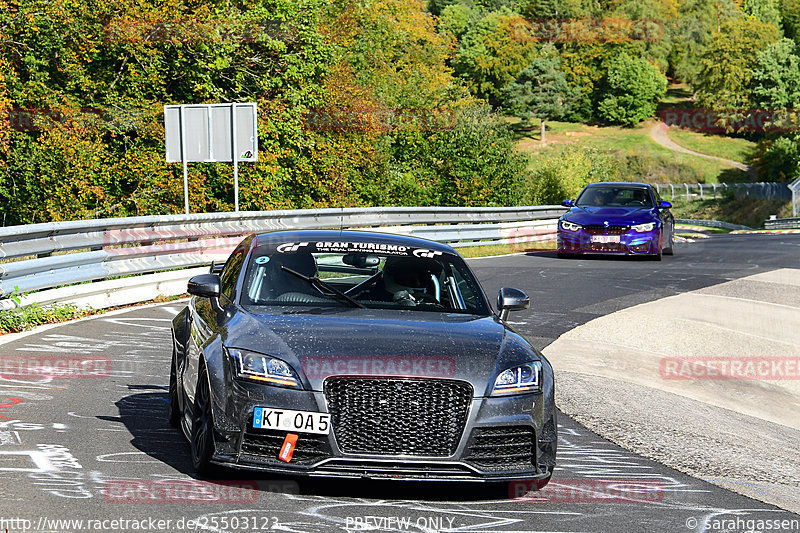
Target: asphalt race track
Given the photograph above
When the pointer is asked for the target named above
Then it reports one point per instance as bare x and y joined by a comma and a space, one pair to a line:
97, 454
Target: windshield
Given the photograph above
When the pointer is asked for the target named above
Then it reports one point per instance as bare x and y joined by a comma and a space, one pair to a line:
412, 279
614, 197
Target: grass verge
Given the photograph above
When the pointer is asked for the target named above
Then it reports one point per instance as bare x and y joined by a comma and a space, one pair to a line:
640, 158
733, 148
750, 212
505, 249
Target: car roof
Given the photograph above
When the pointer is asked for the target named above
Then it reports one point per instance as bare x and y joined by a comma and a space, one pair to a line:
349, 236
618, 184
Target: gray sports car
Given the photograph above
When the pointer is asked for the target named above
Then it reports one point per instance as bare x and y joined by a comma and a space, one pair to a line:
355, 354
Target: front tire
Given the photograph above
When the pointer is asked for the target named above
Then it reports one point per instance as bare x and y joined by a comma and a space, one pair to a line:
670, 250
202, 433
173, 406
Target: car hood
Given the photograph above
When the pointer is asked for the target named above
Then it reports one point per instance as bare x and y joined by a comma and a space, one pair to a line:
365, 342
612, 215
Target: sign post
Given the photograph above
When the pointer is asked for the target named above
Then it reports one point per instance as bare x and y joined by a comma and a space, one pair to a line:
211, 133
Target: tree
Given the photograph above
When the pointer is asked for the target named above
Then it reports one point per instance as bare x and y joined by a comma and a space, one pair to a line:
768, 11
729, 60
634, 88
493, 52
541, 90
456, 19
790, 16
775, 82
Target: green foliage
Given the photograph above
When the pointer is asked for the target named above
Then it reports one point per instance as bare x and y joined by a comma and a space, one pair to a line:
493, 52
690, 35
778, 159
634, 88
456, 19
20, 319
776, 78
541, 89
557, 9
473, 163
728, 62
562, 175
767, 11
790, 16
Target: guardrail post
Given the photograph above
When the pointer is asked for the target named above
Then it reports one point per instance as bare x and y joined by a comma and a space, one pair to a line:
672, 187
715, 190
687, 191
701, 191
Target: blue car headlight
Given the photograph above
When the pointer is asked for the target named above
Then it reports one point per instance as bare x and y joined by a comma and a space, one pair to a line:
641, 228
570, 226
525, 378
263, 368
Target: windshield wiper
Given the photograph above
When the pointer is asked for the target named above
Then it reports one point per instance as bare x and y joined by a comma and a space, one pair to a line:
322, 286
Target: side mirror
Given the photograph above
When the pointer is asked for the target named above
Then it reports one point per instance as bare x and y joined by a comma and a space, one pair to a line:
664, 205
205, 285
215, 268
568, 203
509, 299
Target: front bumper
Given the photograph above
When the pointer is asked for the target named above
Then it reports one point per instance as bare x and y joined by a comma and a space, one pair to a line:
630, 243
503, 439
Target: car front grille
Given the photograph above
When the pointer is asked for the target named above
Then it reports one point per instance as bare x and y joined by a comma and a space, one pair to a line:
502, 448
264, 446
599, 229
424, 417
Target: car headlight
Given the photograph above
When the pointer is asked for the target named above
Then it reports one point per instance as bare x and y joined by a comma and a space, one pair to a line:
519, 379
644, 227
263, 368
570, 226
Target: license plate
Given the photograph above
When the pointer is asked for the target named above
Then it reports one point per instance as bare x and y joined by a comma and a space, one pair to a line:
605, 238
292, 421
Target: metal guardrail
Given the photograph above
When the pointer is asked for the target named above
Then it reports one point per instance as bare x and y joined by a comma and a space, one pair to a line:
794, 186
53, 257
695, 191
782, 223
711, 223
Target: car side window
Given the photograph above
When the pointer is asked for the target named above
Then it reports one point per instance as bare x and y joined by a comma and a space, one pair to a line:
231, 273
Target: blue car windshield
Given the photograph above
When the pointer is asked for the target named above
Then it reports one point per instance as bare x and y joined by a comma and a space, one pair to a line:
615, 197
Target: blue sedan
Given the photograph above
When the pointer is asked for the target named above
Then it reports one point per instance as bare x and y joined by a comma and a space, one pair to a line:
617, 218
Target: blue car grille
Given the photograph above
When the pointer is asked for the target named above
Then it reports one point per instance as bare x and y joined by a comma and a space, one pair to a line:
424, 417
599, 229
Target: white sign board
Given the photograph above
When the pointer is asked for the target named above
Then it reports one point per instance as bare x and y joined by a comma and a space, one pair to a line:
210, 133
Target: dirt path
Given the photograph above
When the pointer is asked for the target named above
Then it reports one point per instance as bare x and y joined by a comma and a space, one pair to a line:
659, 134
